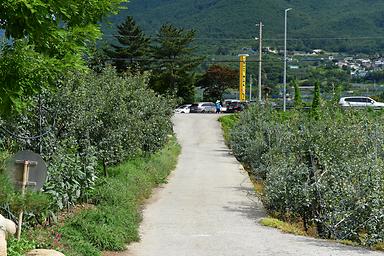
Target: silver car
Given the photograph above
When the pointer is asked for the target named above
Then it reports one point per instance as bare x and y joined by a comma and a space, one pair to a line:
203, 107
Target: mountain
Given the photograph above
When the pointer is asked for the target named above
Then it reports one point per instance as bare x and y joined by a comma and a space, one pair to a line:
314, 23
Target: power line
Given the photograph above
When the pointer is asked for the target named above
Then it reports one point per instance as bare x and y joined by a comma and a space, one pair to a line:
266, 39
206, 60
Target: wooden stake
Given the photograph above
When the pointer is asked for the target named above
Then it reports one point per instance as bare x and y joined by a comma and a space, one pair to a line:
23, 185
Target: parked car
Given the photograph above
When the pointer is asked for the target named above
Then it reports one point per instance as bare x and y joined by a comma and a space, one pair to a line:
360, 101
203, 107
236, 106
226, 104
183, 108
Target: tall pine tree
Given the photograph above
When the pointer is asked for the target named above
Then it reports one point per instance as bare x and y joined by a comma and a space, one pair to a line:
174, 62
130, 53
315, 111
297, 100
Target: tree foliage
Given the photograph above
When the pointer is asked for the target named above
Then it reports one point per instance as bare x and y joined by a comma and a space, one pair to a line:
92, 120
55, 28
174, 62
316, 100
298, 100
47, 38
326, 172
309, 20
132, 52
24, 72
216, 80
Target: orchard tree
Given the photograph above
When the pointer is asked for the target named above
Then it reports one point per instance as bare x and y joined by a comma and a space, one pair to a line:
133, 46
174, 62
216, 80
47, 38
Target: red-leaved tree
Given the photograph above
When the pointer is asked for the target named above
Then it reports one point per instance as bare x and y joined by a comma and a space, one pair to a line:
216, 80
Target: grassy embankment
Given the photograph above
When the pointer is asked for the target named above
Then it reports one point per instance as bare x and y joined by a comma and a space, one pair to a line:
113, 218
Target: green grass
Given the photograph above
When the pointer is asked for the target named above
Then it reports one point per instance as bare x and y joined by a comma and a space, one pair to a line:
297, 229
114, 222
19, 247
227, 123
112, 219
379, 246
283, 226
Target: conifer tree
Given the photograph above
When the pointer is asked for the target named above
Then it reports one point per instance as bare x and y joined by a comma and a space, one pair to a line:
174, 62
298, 100
132, 48
316, 101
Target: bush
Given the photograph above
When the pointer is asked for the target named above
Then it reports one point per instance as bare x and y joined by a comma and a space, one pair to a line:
326, 170
89, 122
114, 221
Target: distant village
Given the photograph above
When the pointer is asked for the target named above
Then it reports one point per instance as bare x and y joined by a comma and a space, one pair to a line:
358, 67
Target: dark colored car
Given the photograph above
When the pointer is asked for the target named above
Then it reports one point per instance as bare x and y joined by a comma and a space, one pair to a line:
236, 107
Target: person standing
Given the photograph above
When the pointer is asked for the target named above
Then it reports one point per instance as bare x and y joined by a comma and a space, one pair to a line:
218, 107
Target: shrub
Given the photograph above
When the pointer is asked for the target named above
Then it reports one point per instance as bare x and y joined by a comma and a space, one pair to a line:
90, 120
326, 170
114, 221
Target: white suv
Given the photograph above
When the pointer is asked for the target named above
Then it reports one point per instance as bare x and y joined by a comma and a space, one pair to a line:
360, 101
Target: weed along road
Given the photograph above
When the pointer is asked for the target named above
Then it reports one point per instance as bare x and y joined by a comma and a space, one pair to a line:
208, 207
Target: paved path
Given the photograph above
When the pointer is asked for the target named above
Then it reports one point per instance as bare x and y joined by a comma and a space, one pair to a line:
208, 208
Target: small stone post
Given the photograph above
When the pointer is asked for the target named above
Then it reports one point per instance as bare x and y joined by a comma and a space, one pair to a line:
6, 226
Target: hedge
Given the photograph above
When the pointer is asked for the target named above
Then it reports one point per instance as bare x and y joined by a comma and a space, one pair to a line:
327, 172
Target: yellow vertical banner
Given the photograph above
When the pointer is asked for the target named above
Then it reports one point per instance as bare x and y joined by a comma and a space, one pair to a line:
243, 76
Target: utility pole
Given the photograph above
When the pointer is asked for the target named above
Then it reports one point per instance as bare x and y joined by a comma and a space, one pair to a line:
250, 87
285, 60
260, 25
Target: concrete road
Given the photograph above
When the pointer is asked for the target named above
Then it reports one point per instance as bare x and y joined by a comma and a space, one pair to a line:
208, 207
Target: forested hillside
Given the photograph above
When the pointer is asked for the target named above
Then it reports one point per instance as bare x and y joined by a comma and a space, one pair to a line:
219, 21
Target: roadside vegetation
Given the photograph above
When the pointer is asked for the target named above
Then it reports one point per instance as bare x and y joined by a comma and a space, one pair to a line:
110, 219
99, 121
227, 123
102, 126
321, 170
